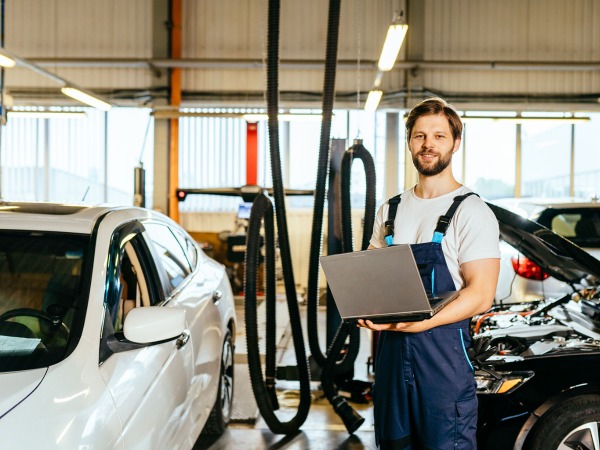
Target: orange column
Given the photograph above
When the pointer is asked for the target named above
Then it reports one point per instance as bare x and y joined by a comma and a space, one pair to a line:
176, 15
251, 153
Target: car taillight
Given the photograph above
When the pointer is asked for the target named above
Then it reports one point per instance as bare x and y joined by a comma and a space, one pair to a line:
528, 269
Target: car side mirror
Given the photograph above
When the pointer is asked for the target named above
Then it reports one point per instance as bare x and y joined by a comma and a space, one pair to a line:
147, 326
154, 324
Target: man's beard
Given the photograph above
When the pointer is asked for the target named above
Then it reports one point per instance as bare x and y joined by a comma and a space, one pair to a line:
437, 168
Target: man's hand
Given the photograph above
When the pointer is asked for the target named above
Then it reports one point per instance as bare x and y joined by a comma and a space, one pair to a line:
407, 327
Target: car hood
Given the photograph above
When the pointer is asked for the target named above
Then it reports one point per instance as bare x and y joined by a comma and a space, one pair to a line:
557, 256
17, 386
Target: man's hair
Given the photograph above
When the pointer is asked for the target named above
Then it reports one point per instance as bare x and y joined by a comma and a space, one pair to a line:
434, 106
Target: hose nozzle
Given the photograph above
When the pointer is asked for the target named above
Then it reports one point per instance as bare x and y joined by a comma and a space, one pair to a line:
352, 420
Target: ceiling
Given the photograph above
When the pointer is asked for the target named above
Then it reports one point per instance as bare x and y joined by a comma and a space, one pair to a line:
479, 54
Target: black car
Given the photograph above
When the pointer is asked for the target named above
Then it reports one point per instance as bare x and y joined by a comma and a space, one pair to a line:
538, 369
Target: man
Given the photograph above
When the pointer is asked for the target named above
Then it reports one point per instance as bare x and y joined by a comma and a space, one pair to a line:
424, 391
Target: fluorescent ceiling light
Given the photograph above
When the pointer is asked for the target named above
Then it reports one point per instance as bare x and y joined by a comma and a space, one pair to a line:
86, 98
373, 101
9, 59
391, 46
47, 114
526, 119
284, 117
248, 117
6, 61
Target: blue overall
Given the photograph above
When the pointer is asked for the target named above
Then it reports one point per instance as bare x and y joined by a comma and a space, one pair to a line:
424, 391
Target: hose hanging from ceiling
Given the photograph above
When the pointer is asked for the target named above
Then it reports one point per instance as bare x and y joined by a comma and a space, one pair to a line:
265, 392
320, 191
264, 389
357, 151
352, 420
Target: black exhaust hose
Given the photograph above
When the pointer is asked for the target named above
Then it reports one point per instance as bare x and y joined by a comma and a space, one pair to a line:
274, 424
322, 172
352, 420
264, 391
270, 298
357, 151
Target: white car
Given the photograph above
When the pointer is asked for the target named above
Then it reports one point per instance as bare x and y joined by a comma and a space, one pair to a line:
521, 279
116, 331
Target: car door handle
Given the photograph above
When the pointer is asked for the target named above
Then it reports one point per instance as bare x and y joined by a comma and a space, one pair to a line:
182, 339
216, 297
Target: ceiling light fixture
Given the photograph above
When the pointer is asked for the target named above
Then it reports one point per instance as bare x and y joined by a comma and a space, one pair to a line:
89, 98
284, 117
373, 101
86, 97
248, 117
46, 114
6, 61
393, 41
526, 119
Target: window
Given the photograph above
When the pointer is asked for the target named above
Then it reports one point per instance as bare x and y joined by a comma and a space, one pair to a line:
131, 282
489, 151
546, 150
212, 153
580, 225
89, 159
189, 247
587, 167
132, 288
172, 256
127, 283
130, 141
41, 297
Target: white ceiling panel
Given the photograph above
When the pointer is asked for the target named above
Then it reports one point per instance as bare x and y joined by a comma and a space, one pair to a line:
459, 48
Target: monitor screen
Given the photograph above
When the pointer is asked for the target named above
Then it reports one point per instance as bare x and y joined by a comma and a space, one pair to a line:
244, 210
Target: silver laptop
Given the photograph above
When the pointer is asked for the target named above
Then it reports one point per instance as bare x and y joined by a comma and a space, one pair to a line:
382, 285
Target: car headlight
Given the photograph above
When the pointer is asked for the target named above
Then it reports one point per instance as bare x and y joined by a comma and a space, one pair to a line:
491, 382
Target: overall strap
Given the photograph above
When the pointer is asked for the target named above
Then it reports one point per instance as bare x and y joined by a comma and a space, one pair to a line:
389, 223
444, 220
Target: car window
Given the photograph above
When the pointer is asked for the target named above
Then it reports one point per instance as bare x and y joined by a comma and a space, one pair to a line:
172, 256
132, 291
132, 281
191, 252
580, 225
564, 224
41, 296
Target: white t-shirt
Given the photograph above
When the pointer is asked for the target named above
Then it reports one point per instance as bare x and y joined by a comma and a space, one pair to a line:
473, 232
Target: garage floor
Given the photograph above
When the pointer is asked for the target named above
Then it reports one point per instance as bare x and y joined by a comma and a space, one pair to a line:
323, 428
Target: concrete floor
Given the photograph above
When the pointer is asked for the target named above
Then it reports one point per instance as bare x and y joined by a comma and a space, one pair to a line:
323, 429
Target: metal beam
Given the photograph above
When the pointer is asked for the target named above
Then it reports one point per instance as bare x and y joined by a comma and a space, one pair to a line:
314, 64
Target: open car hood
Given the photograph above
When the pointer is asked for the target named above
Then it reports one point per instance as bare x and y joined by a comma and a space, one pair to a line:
557, 256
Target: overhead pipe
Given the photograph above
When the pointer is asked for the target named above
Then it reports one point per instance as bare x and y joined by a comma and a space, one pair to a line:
315, 64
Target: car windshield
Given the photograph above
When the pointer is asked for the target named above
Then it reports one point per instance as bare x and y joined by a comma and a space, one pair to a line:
579, 225
40, 296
